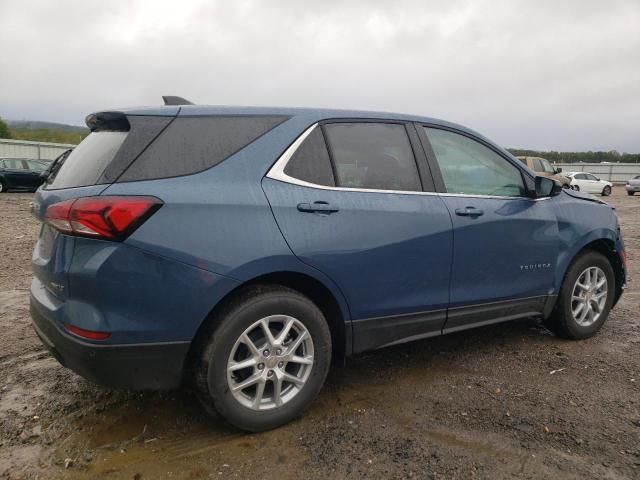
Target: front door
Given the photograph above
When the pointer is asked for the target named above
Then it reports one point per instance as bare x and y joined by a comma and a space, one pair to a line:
358, 213
505, 244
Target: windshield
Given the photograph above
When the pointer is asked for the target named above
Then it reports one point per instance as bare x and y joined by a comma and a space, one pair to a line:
85, 163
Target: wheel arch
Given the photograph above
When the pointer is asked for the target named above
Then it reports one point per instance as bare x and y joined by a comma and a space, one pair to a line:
607, 247
331, 304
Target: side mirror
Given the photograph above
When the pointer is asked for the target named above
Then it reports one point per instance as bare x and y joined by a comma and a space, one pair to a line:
547, 187
558, 169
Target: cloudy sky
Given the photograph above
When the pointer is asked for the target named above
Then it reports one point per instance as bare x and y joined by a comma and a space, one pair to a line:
561, 75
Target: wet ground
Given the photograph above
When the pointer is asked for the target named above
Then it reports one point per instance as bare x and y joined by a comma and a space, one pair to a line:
506, 401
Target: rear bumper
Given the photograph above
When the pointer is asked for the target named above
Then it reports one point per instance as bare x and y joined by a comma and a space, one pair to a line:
147, 366
632, 188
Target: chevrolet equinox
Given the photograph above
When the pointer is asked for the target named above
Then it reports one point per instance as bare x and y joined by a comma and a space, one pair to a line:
240, 250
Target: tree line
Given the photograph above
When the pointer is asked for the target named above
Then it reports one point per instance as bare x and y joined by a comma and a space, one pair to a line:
52, 135
612, 156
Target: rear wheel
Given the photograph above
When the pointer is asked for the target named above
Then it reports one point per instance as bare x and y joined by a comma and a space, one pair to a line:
585, 298
2, 187
577, 187
266, 360
630, 193
606, 191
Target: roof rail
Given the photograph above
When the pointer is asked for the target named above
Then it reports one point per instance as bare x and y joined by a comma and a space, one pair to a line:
172, 100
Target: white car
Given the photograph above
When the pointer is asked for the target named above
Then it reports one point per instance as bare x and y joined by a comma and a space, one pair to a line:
587, 182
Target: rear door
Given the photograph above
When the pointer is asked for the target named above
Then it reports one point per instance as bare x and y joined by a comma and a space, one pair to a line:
580, 179
505, 244
349, 199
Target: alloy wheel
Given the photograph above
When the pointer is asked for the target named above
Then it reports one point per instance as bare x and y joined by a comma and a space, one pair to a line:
270, 363
589, 296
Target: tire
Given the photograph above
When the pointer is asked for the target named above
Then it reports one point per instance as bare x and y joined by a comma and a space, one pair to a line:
630, 193
564, 321
606, 191
226, 344
577, 188
3, 188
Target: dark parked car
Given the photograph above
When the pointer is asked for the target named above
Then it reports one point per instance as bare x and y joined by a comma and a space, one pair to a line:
21, 174
240, 250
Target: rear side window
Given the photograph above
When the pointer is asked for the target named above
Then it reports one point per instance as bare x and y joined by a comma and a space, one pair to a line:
87, 161
14, 164
373, 155
193, 144
537, 165
311, 161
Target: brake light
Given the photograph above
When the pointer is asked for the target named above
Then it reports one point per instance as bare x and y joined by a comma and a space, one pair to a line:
88, 334
108, 217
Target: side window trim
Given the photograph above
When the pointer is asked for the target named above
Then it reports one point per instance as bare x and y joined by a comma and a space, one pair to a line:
435, 168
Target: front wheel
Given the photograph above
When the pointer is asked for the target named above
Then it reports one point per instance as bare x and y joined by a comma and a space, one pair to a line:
606, 191
2, 187
266, 360
585, 298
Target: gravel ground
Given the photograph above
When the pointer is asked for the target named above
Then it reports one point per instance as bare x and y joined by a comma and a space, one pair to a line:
505, 401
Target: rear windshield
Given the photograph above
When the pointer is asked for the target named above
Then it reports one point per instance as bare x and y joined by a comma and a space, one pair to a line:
87, 161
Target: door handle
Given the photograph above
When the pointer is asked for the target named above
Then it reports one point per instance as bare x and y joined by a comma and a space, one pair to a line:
317, 207
469, 212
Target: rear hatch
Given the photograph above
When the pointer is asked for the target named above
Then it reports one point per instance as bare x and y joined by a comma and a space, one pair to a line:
115, 141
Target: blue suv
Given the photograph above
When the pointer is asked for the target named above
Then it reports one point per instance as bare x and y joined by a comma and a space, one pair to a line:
241, 250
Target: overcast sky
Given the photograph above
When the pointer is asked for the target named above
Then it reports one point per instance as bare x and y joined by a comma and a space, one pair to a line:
562, 75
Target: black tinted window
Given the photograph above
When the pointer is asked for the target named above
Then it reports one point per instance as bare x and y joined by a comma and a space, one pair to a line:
373, 155
192, 144
311, 161
87, 161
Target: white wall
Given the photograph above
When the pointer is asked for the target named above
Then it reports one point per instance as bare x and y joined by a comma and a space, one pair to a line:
37, 150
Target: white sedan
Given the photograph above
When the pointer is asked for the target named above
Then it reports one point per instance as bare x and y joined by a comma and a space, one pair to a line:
589, 183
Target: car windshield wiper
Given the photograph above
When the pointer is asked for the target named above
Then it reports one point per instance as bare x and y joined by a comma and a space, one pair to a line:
52, 171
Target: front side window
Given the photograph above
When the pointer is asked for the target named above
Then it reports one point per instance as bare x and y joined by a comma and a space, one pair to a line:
468, 167
546, 166
373, 156
36, 166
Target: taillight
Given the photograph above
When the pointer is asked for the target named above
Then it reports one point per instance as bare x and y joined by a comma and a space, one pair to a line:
108, 217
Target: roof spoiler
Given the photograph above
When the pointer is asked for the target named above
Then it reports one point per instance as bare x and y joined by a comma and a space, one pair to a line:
172, 100
107, 121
